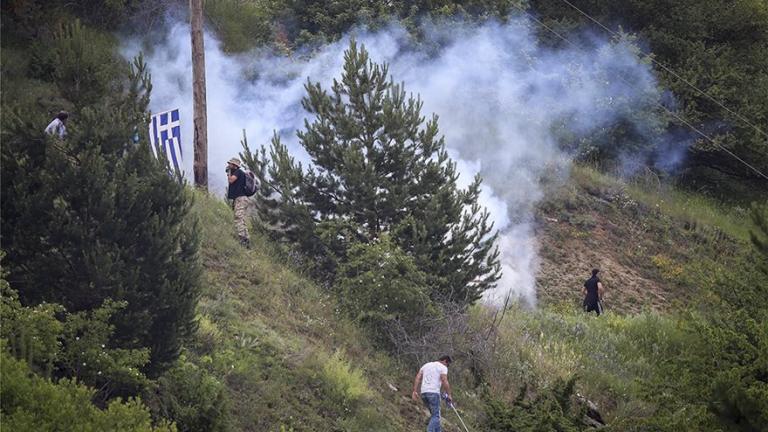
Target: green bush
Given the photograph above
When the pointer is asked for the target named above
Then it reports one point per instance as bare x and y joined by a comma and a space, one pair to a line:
345, 383
32, 403
79, 60
241, 24
79, 346
380, 284
550, 410
192, 398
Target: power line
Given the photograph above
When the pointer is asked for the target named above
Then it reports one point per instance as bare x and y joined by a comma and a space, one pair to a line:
670, 112
663, 66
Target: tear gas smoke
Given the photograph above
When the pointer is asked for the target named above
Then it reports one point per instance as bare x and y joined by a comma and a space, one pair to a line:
503, 101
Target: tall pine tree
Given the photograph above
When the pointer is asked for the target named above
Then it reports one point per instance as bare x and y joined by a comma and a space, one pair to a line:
94, 216
377, 167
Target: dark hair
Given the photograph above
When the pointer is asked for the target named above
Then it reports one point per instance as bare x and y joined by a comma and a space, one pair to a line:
446, 358
62, 115
595, 272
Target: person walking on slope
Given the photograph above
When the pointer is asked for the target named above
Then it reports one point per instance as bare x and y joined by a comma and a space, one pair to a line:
593, 293
58, 126
236, 192
433, 377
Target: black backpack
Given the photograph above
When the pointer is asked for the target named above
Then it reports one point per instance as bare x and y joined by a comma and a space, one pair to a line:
250, 183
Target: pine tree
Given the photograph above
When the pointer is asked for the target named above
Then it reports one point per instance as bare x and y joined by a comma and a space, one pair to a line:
94, 216
377, 167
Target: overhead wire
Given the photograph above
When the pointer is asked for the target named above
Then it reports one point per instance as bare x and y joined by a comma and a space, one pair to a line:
670, 112
673, 73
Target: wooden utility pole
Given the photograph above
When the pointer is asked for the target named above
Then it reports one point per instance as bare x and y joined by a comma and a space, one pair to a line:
198, 89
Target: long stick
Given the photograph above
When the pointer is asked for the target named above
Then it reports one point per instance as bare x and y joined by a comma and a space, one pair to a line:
457, 415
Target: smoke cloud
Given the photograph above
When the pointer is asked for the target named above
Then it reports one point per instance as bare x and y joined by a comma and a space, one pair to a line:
504, 101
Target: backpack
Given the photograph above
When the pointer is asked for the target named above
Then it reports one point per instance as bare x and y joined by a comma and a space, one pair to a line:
250, 183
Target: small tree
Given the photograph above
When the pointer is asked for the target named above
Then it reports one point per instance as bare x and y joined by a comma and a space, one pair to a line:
377, 167
380, 285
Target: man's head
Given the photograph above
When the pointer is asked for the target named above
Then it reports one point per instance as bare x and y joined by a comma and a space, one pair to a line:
595, 272
233, 164
63, 116
446, 360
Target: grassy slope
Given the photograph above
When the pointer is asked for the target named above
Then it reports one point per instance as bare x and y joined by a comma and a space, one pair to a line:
642, 237
271, 335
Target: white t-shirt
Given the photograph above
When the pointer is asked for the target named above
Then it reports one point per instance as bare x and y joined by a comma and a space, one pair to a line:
430, 376
56, 127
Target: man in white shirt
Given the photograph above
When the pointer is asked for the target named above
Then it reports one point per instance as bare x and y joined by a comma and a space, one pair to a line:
431, 379
58, 126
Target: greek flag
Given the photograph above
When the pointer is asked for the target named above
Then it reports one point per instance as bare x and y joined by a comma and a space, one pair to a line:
165, 136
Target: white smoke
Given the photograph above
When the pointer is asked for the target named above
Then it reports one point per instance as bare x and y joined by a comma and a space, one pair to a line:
501, 97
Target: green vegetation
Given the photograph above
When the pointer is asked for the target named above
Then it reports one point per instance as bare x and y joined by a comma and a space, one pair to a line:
99, 218
33, 403
127, 303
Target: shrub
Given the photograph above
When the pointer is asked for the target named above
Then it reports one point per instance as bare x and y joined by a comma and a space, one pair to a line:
345, 383
59, 344
32, 403
380, 284
377, 168
192, 398
240, 24
550, 410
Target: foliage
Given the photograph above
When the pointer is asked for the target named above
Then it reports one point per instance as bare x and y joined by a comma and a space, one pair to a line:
380, 284
58, 344
550, 410
377, 169
79, 60
241, 24
759, 236
322, 21
33, 403
95, 210
192, 398
345, 383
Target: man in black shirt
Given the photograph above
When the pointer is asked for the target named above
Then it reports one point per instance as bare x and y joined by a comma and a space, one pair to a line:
593, 293
236, 192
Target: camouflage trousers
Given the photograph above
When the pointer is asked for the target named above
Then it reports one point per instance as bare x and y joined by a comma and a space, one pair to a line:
241, 216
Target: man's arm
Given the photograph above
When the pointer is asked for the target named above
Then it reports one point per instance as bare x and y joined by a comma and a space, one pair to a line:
416, 385
232, 178
446, 386
600, 290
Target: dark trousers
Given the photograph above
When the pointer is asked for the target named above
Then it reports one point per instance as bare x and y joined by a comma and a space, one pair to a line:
594, 305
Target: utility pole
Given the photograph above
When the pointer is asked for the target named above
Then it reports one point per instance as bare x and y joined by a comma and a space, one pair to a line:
198, 89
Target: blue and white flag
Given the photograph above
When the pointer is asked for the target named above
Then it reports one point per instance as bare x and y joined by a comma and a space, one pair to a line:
165, 136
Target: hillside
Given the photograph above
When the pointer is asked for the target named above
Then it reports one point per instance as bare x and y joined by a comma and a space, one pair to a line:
128, 305
642, 235
289, 358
